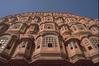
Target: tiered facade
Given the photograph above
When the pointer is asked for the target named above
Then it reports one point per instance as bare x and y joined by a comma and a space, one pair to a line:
34, 36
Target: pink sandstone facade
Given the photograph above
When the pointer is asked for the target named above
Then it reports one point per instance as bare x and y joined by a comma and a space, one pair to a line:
41, 36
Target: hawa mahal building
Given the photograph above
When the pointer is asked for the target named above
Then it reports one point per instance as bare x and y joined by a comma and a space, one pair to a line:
45, 37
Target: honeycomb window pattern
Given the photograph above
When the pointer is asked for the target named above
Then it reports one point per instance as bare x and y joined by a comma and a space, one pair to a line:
50, 33
50, 40
3, 42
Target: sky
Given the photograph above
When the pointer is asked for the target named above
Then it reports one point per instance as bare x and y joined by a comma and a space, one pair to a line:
87, 8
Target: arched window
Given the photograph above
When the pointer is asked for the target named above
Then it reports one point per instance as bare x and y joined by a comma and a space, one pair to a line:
23, 28
59, 20
70, 20
38, 42
95, 41
83, 20
24, 48
65, 27
4, 41
94, 29
49, 26
23, 44
81, 26
74, 28
36, 19
34, 28
74, 44
48, 18
50, 41
3, 27
78, 27
88, 44
16, 26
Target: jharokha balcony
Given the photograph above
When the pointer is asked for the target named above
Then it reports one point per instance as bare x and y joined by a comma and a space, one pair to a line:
49, 39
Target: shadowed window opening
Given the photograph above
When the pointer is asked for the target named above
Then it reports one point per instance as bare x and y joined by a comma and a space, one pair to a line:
0, 45
98, 45
71, 47
49, 44
75, 46
89, 47
49, 27
23, 46
38, 47
8, 47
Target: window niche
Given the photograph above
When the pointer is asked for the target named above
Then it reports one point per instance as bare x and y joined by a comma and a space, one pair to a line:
38, 42
16, 26
8, 47
4, 43
23, 28
98, 45
71, 48
34, 28
50, 45
50, 42
59, 20
38, 46
3, 27
81, 27
24, 43
73, 28
48, 18
37, 19
49, 26
90, 48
